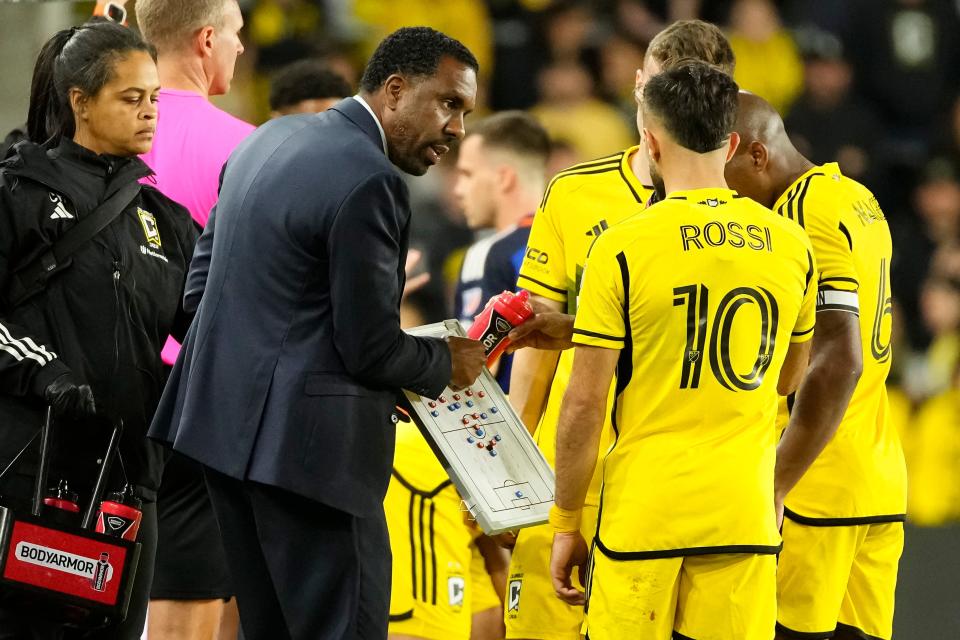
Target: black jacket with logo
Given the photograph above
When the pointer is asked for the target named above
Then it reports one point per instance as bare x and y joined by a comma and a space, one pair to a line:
105, 317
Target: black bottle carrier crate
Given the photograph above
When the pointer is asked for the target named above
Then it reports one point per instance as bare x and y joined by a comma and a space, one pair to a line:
59, 572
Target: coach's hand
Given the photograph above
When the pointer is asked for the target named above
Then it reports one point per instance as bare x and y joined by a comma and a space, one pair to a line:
569, 551
548, 330
778, 507
466, 361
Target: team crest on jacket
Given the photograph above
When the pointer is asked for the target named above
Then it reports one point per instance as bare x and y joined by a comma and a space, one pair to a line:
150, 230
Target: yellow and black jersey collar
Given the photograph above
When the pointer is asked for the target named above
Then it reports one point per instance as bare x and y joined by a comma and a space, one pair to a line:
790, 203
641, 192
713, 197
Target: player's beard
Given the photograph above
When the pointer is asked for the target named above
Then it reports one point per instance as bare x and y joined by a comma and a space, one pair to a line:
656, 178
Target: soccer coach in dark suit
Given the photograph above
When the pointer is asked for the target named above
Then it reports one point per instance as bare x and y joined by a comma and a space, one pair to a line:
285, 386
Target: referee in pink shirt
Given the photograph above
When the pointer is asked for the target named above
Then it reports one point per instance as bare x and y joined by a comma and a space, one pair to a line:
198, 43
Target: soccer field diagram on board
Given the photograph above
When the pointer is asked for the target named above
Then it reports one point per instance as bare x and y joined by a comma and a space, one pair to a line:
504, 480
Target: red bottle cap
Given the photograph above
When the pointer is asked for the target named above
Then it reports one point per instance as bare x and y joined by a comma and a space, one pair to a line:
61, 497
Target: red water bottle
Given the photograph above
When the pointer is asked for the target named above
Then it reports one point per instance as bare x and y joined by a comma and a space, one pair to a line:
120, 515
61, 497
502, 313
63, 503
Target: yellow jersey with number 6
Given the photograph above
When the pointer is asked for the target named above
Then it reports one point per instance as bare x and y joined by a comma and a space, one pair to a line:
860, 476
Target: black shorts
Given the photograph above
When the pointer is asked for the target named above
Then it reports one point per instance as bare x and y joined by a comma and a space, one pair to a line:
191, 564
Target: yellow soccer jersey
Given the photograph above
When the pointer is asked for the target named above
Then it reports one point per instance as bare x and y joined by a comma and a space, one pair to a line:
580, 204
430, 543
701, 294
861, 474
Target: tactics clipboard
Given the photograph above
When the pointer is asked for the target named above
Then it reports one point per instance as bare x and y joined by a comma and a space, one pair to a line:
501, 475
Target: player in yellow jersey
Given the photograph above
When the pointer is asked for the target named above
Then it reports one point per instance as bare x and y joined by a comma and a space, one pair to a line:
843, 532
580, 204
437, 587
703, 307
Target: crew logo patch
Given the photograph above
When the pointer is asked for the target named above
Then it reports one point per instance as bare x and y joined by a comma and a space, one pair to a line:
513, 596
456, 592
150, 229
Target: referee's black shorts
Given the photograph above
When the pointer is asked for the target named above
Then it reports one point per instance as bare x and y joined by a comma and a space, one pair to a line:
190, 564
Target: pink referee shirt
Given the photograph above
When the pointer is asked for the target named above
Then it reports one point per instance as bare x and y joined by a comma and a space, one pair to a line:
192, 142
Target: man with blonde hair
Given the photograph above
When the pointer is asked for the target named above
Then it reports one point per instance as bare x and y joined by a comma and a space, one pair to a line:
197, 44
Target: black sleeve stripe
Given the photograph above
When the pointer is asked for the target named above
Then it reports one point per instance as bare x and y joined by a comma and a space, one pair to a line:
793, 207
543, 284
792, 203
803, 194
797, 334
590, 164
827, 287
588, 168
579, 170
840, 279
613, 157
809, 271
594, 334
846, 233
783, 210
838, 307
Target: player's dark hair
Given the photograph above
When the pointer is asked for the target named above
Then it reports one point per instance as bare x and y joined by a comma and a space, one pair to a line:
695, 102
306, 80
80, 57
413, 52
516, 132
692, 39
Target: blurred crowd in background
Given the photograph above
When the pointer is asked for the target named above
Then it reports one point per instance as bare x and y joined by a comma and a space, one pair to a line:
871, 84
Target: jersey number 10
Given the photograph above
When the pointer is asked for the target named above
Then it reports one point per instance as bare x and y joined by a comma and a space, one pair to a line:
696, 299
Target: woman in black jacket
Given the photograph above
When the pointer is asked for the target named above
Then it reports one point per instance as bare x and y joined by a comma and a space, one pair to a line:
88, 340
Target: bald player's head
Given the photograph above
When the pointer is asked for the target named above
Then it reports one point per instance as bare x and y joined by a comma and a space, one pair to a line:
766, 160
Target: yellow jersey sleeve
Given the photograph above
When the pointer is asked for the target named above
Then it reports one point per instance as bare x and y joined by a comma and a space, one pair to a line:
600, 308
543, 270
803, 330
833, 246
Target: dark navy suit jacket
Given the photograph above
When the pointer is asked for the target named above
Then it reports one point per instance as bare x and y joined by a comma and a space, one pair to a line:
289, 372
